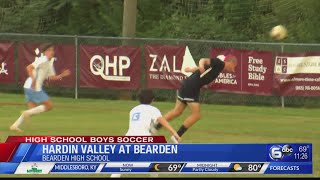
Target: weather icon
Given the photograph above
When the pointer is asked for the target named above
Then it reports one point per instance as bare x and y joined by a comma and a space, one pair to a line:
237, 167
156, 167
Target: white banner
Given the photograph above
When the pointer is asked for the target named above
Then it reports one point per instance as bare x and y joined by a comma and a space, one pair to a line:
297, 65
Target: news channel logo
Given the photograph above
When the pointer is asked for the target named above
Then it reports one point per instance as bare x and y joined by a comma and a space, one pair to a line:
277, 152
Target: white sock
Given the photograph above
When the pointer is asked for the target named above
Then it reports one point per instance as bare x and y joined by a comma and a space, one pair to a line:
36, 110
115, 175
19, 121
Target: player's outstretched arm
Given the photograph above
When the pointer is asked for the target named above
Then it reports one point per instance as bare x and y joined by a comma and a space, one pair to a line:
191, 69
29, 69
166, 124
202, 63
65, 73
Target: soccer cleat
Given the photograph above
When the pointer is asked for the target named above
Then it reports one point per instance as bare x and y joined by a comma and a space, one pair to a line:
174, 140
15, 128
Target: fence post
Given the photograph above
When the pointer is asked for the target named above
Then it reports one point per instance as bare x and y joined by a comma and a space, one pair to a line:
282, 97
76, 59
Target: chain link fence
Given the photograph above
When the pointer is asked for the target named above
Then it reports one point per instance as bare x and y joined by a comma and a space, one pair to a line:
198, 48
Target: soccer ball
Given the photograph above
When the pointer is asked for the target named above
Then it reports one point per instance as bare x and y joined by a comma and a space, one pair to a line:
278, 32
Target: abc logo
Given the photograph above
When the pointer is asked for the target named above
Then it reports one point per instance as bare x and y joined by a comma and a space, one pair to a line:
277, 152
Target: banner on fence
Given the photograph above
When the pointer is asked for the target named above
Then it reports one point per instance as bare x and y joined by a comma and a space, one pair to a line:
110, 67
226, 81
253, 73
7, 69
64, 59
257, 72
297, 74
165, 65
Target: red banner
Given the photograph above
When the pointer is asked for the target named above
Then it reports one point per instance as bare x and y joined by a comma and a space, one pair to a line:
228, 82
110, 67
165, 65
6, 63
253, 73
257, 72
297, 74
65, 59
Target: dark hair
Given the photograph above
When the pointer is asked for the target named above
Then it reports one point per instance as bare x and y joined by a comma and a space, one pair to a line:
145, 96
45, 46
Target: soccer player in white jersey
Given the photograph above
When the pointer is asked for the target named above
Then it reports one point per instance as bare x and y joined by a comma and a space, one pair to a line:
37, 99
143, 119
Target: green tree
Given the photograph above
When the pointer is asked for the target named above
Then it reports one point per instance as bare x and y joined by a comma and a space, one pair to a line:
237, 20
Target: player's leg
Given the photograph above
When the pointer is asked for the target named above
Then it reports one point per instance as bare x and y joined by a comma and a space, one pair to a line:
29, 96
179, 107
174, 113
33, 98
190, 120
45, 104
48, 104
31, 105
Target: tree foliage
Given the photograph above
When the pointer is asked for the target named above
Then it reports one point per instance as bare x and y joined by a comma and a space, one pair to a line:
237, 20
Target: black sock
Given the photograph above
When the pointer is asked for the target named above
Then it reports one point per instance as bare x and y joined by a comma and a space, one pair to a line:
182, 130
158, 126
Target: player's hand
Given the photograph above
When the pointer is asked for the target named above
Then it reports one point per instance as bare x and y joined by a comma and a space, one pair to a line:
188, 69
178, 138
65, 73
201, 69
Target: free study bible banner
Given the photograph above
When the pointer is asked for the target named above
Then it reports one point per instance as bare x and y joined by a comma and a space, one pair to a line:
253, 73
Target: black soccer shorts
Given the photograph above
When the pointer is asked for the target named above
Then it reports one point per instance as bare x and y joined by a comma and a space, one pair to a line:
186, 95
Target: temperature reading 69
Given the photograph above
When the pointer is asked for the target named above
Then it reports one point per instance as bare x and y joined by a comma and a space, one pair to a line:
304, 149
174, 167
166, 167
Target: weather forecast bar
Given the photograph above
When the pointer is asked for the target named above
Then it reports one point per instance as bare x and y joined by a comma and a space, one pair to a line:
21, 155
166, 168
86, 139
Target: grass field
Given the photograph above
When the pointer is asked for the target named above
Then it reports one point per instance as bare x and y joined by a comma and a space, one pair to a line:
219, 124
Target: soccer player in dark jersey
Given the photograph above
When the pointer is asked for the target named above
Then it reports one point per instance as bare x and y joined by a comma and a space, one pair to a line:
188, 95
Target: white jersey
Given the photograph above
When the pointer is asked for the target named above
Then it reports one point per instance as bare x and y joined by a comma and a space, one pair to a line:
43, 68
142, 118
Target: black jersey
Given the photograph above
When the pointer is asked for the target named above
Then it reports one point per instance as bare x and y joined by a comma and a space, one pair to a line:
211, 72
190, 89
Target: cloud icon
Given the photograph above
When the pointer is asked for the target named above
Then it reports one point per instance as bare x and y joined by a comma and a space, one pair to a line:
237, 167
